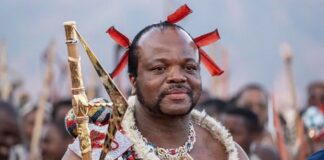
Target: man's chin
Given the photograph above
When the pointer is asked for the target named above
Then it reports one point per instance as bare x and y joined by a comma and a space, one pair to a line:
174, 110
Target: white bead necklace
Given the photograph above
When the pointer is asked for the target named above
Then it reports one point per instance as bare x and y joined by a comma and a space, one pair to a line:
180, 153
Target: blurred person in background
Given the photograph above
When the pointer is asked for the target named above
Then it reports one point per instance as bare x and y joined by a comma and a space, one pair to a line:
313, 116
9, 131
254, 97
213, 107
27, 115
204, 96
55, 140
244, 126
316, 94
60, 109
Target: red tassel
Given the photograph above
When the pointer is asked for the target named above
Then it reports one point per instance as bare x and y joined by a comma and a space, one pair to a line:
211, 66
121, 65
179, 14
119, 38
207, 39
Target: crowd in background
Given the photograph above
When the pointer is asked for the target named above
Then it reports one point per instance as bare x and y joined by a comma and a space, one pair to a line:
247, 115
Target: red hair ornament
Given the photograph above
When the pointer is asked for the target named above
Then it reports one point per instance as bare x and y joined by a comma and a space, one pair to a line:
175, 17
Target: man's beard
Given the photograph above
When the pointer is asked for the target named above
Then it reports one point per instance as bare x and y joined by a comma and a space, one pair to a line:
156, 108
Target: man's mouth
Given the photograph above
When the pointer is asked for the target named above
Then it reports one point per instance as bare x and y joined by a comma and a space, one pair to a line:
177, 94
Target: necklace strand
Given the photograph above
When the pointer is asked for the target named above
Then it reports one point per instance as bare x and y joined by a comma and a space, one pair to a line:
181, 152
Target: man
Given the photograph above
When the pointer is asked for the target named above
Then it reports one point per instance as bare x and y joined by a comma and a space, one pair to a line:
313, 116
54, 141
255, 98
244, 125
316, 94
165, 75
60, 109
27, 115
213, 107
9, 131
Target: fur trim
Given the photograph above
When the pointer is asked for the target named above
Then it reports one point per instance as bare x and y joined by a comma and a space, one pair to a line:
144, 152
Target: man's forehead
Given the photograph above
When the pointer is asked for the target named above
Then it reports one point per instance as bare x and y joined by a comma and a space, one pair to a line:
167, 41
169, 33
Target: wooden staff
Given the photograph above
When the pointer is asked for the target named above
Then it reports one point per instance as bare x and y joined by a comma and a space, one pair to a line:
280, 139
220, 85
300, 142
5, 87
44, 94
216, 83
225, 77
79, 98
119, 102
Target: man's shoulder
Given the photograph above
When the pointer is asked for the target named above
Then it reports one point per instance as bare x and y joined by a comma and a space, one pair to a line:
208, 146
99, 114
215, 137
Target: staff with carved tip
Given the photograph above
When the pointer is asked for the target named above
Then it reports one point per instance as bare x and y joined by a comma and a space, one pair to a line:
5, 86
44, 94
300, 143
79, 99
119, 102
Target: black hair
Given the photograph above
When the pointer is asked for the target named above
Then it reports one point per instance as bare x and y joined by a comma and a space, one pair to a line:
251, 86
133, 52
250, 118
313, 99
60, 104
216, 105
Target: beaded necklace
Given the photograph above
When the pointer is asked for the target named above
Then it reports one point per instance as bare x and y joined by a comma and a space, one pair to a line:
179, 153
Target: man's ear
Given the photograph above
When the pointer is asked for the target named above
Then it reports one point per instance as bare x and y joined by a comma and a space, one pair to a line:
132, 80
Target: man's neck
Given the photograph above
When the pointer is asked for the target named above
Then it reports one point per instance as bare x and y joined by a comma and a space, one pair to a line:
163, 131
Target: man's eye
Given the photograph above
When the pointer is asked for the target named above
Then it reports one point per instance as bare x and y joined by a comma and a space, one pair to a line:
159, 69
191, 68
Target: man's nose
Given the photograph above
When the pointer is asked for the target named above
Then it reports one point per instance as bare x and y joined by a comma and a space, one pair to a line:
176, 75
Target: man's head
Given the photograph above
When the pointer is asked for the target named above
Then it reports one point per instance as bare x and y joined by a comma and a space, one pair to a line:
164, 69
28, 116
9, 133
255, 97
316, 93
28, 122
214, 107
242, 124
55, 140
60, 109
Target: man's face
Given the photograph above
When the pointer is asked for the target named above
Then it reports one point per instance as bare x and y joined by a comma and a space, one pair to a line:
9, 133
168, 79
61, 112
257, 102
28, 122
237, 127
317, 95
53, 145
